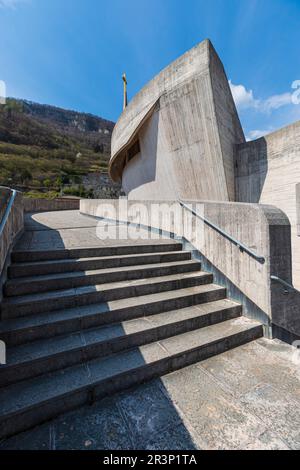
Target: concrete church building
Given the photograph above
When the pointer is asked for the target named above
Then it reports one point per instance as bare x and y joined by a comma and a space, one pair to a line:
180, 138
177, 136
90, 308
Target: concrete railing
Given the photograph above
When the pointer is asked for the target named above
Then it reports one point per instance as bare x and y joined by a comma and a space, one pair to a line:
263, 229
11, 222
45, 205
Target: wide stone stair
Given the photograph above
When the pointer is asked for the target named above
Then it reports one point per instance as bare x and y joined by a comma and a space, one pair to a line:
81, 324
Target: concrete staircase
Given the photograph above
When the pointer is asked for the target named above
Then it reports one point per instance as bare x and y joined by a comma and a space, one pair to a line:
81, 324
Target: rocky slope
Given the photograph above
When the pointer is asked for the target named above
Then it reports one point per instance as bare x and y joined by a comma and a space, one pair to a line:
47, 150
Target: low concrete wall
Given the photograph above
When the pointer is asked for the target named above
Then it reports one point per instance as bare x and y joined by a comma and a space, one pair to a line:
45, 205
5, 194
264, 229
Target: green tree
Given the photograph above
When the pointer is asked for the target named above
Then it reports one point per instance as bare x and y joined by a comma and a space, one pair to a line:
47, 183
25, 176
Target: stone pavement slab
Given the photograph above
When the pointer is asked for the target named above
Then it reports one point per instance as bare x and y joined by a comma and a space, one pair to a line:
58, 220
241, 399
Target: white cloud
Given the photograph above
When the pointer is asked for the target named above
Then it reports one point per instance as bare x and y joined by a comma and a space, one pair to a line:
256, 134
276, 101
10, 3
244, 99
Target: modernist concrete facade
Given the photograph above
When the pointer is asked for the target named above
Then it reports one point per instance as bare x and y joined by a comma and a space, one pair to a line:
176, 138
180, 138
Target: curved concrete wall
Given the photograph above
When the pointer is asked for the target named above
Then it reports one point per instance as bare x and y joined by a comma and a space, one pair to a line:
264, 229
187, 126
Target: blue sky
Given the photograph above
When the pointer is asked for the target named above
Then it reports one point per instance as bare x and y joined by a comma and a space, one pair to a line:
72, 53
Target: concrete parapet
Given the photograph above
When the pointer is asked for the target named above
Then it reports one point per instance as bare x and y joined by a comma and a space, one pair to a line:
46, 205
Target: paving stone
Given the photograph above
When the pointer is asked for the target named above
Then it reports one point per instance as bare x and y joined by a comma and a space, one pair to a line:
240, 370
148, 413
267, 441
219, 421
96, 427
205, 417
58, 219
173, 438
70, 229
278, 411
38, 438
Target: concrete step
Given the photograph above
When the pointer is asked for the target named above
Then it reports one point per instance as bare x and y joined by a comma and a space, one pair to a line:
142, 246
37, 284
17, 331
28, 403
46, 302
39, 357
38, 268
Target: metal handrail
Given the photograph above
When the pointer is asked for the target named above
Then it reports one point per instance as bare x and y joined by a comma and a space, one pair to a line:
8, 208
241, 246
287, 286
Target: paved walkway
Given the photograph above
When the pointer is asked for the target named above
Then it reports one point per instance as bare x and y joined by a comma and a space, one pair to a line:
70, 229
247, 398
